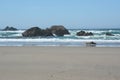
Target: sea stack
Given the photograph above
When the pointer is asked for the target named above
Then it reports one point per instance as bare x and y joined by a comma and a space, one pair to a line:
83, 33
109, 34
36, 31
59, 30
7, 28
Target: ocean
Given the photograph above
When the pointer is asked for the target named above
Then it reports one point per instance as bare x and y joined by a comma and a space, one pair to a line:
15, 38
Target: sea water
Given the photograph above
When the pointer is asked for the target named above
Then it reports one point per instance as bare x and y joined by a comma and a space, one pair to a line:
15, 38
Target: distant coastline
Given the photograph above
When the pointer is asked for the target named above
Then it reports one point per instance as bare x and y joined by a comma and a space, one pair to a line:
81, 28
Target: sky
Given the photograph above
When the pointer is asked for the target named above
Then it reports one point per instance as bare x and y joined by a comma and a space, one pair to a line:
73, 14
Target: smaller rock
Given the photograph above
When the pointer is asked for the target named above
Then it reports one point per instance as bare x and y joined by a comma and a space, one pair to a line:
90, 44
109, 34
9, 29
83, 33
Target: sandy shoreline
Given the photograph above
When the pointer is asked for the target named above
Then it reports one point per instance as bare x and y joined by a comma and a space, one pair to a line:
59, 63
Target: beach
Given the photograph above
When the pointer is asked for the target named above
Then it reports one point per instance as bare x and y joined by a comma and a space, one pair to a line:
59, 63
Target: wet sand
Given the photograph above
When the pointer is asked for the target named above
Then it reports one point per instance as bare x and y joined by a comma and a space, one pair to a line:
59, 63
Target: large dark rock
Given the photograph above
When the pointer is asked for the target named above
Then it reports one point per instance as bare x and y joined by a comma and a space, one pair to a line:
46, 32
83, 33
36, 31
109, 34
59, 30
9, 29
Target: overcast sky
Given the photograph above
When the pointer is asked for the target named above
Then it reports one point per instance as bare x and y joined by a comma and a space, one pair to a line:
70, 13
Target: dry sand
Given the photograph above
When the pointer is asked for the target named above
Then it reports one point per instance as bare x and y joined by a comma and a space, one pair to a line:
59, 63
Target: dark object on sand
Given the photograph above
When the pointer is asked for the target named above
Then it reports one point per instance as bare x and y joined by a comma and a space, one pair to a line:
83, 33
9, 29
90, 44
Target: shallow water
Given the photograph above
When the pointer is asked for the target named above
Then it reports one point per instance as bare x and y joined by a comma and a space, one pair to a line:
14, 38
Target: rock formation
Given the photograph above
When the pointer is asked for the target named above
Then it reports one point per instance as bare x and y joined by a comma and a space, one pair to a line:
9, 29
59, 30
36, 31
109, 34
83, 33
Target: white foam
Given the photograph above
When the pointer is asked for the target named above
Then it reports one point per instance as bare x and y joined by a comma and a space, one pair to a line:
56, 40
